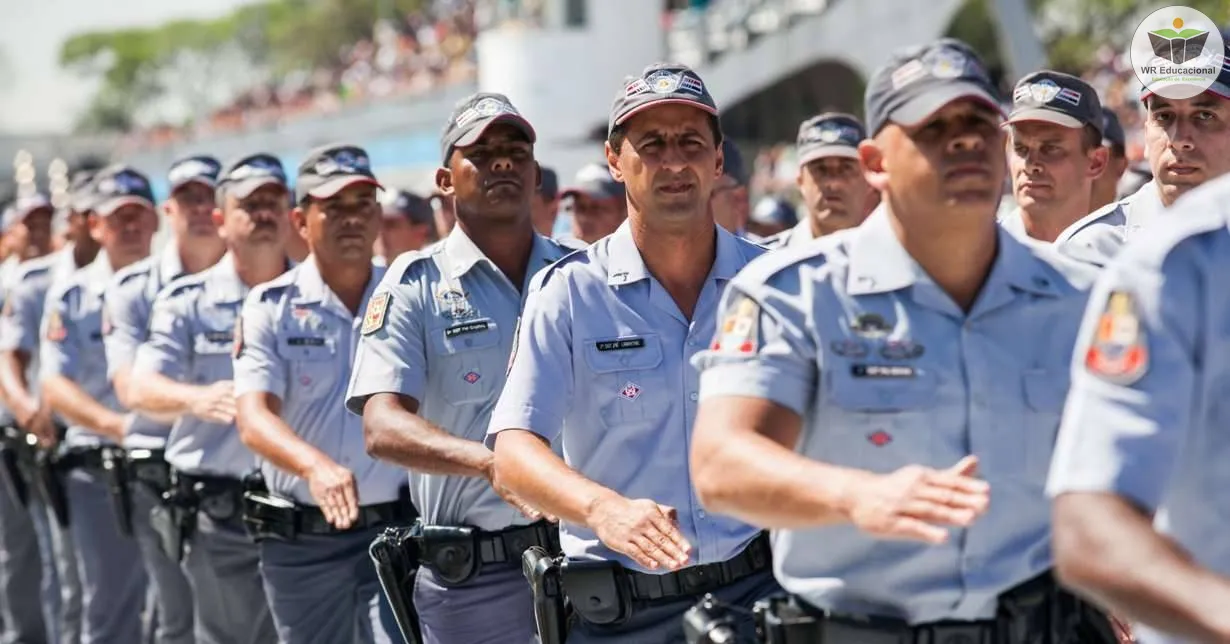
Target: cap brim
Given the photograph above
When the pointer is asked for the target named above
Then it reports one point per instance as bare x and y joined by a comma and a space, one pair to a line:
1218, 87
334, 186
591, 192
242, 189
1046, 116
623, 118
108, 206
201, 180
809, 154
919, 108
471, 137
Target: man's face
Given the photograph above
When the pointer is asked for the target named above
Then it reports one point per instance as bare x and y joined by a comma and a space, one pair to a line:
400, 235
1187, 141
191, 209
1052, 167
544, 211
668, 162
259, 219
952, 161
126, 233
496, 178
342, 227
36, 231
595, 217
729, 204
836, 193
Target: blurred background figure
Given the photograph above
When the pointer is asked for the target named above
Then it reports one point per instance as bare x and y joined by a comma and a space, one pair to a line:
1106, 186
771, 216
546, 202
442, 214
409, 223
596, 203
730, 203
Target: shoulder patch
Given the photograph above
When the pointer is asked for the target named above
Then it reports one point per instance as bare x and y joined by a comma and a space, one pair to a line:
237, 348
512, 355
1118, 352
56, 331
377, 309
740, 331
7, 310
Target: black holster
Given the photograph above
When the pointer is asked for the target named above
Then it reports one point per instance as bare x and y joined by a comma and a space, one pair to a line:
450, 551
604, 587
50, 483
267, 515
13, 450
174, 520
1040, 611
115, 469
396, 557
149, 468
550, 611
709, 622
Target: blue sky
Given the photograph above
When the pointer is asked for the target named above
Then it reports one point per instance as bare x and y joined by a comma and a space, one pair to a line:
36, 96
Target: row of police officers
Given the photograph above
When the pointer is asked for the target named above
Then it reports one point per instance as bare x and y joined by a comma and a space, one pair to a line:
845, 439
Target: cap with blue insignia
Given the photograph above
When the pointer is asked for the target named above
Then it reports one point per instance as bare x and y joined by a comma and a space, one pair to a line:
474, 114
1058, 98
331, 168
245, 175
400, 203
918, 81
829, 135
594, 181
1112, 130
660, 84
199, 168
119, 185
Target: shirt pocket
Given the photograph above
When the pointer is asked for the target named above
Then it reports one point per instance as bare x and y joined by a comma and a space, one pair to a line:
630, 384
468, 361
1044, 392
312, 366
880, 423
212, 356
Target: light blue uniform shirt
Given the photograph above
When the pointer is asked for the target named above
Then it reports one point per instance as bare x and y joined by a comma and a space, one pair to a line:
1098, 236
72, 341
601, 370
24, 303
1156, 435
298, 343
887, 371
126, 310
191, 337
444, 340
792, 237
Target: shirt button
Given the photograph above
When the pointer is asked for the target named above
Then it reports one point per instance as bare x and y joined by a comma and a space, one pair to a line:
701, 514
692, 396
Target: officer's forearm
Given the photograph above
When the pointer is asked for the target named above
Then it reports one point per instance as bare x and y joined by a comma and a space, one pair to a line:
744, 465
159, 397
69, 400
1109, 550
396, 434
14, 390
525, 464
120, 382
264, 432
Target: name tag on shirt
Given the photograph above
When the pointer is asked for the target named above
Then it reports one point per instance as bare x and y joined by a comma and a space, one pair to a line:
882, 371
305, 342
466, 328
620, 345
220, 336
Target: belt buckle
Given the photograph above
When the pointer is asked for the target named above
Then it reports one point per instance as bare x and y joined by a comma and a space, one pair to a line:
956, 633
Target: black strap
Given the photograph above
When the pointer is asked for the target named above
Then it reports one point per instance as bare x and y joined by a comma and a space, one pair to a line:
507, 546
312, 520
698, 580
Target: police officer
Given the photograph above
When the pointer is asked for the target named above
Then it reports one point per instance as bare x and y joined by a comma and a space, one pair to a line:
431, 362
293, 358
1106, 186
1187, 142
1055, 154
857, 384
771, 216
596, 203
601, 369
408, 224
194, 246
184, 371
835, 193
730, 204
19, 349
73, 375
1139, 514
22, 619
546, 203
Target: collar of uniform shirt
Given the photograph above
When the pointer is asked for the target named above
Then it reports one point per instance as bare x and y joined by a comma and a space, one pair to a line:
311, 288
625, 266
224, 283
464, 254
881, 264
169, 266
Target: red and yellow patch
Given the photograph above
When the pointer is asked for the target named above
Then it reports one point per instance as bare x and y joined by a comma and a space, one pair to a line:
1118, 352
740, 329
377, 308
237, 346
56, 331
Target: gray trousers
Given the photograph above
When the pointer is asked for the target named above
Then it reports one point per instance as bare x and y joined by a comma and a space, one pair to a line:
223, 567
58, 546
496, 607
170, 613
112, 579
663, 623
324, 589
21, 571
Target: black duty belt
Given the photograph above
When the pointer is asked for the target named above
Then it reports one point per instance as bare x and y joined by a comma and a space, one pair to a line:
311, 520
698, 580
458, 554
149, 466
90, 458
220, 497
